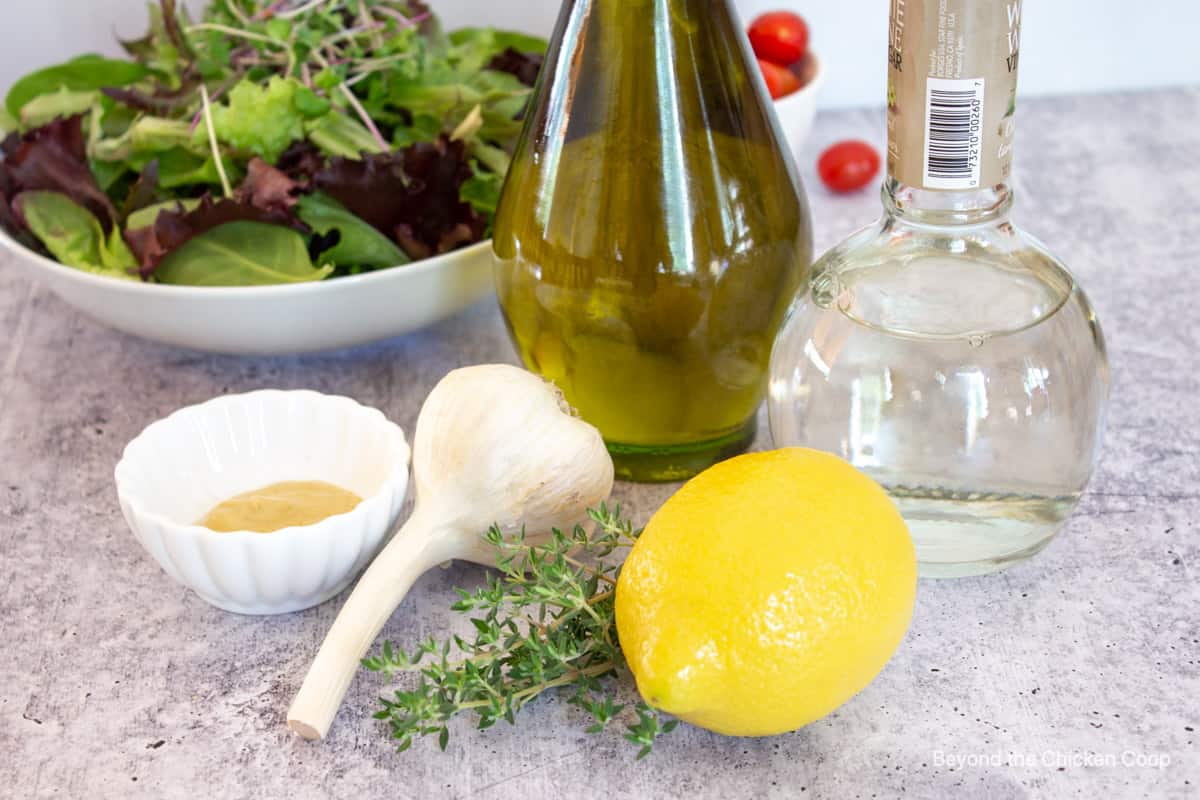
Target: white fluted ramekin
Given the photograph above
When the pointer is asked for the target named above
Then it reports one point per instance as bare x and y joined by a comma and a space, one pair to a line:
182, 466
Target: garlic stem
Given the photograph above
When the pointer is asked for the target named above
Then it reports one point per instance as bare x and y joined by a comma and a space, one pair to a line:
412, 552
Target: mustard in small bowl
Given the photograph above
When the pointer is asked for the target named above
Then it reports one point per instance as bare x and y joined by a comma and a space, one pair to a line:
182, 468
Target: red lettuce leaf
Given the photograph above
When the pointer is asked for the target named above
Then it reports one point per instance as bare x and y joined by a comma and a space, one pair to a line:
373, 188
301, 161
54, 158
420, 10
267, 187
170, 15
411, 195
164, 102
172, 229
143, 192
11, 221
266, 195
524, 66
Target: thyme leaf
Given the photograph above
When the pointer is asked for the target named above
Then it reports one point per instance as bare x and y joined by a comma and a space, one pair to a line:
544, 620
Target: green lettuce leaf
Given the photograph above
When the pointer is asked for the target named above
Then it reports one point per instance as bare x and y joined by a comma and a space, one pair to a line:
358, 245
310, 104
486, 43
482, 190
61, 103
180, 167
74, 235
505, 99
451, 96
83, 74
148, 135
242, 254
145, 217
262, 120
422, 128
440, 102
108, 173
160, 49
339, 135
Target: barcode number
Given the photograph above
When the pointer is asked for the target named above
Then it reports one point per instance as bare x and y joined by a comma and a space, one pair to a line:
953, 133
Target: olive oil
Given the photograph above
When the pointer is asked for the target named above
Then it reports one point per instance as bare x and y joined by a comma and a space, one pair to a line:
651, 231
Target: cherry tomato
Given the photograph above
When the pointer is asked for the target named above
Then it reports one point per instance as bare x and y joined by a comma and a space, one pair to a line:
848, 165
780, 37
781, 81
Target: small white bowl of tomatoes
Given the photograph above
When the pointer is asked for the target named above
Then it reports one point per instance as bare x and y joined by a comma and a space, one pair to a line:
790, 70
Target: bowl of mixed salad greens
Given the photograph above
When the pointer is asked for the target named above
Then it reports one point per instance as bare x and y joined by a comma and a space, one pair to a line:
271, 176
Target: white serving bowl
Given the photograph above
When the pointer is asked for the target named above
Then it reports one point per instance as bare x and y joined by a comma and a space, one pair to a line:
797, 111
182, 466
273, 320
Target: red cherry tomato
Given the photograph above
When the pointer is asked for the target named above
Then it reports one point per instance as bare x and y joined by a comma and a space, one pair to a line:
848, 165
780, 37
781, 81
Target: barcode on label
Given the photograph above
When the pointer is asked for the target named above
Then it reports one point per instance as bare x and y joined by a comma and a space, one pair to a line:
953, 133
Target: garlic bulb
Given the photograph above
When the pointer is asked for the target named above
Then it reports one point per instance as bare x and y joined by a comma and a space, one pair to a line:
494, 445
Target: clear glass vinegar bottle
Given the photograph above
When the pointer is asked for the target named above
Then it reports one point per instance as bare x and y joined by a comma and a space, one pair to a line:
652, 231
943, 350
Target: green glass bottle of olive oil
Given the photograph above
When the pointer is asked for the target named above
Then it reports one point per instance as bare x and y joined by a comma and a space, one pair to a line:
652, 230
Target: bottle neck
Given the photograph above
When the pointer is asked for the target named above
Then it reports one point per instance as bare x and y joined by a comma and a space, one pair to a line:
942, 207
952, 82
635, 14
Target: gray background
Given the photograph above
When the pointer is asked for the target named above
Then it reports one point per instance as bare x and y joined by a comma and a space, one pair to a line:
116, 682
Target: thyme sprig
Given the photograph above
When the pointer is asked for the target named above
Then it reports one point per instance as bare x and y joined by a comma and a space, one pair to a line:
545, 620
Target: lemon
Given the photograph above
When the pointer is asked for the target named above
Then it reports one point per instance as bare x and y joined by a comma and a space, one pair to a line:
766, 592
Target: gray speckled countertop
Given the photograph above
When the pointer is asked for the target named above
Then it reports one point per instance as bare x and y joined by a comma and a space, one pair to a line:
1074, 675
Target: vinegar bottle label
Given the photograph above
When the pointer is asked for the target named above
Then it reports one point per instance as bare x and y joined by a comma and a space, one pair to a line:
952, 84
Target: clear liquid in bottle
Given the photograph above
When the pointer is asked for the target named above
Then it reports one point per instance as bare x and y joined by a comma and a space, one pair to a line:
942, 350
970, 385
